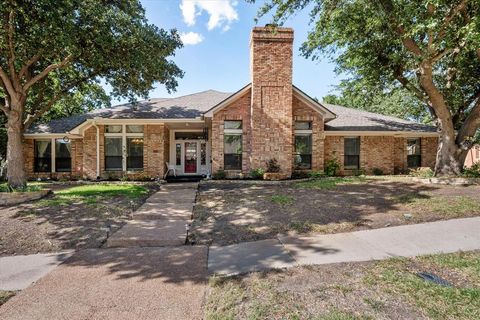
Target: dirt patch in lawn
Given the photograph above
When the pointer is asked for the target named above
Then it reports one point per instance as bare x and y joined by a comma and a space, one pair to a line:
229, 212
370, 290
74, 217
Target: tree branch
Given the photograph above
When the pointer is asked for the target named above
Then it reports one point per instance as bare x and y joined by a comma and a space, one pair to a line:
11, 49
449, 17
471, 124
7, 84
46, 71
27, 65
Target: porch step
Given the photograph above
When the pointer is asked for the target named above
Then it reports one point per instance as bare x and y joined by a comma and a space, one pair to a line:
172, 179
152, 233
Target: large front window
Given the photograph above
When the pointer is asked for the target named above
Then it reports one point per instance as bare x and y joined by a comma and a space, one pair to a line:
232, 148
351, 153
43, 156
123, 147
414, 155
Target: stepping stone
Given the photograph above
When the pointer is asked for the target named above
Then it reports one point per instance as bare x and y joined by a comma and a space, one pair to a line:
154, 233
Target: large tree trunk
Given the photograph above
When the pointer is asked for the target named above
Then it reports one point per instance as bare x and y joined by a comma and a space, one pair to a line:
450, 158
15, 158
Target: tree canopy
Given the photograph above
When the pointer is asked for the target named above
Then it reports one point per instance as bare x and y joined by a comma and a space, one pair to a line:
429, 47
51, 49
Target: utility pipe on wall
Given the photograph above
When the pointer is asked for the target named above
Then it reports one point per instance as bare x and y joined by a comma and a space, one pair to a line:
98, 149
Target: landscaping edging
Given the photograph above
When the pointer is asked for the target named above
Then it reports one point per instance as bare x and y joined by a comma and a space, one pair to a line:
449, 181
12, 198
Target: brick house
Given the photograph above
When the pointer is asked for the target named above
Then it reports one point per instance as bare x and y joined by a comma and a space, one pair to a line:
209, 131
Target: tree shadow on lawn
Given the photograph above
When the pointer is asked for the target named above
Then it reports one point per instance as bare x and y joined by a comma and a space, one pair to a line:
75, 222
232, 212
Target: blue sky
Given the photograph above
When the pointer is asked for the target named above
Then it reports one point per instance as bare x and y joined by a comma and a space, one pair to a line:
216, 51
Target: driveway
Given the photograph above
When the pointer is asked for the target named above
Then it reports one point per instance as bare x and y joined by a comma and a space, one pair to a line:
121, 283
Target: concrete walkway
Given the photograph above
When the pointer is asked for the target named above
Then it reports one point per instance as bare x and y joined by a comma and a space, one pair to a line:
161, 220
287, 251
19, 272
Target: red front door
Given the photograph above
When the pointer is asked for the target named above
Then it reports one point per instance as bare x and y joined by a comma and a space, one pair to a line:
190, 157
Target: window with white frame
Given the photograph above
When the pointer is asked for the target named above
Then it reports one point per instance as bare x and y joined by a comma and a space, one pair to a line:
414, 154
303, 145
232, 145
123, 147
52, 155
351, 158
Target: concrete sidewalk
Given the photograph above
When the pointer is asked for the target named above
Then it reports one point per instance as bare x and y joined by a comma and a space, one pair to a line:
19, 272
286, 251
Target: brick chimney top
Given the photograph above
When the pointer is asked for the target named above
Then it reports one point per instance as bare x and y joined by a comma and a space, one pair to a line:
271, 33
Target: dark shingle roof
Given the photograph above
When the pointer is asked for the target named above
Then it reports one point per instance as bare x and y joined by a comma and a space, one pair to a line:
349, 119
189, 106
194, 105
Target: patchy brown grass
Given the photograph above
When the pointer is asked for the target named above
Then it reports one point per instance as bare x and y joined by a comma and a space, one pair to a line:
232, 212
5, 296
73, 217
371, 290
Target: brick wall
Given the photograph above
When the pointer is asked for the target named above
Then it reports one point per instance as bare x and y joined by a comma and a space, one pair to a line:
90, 152
271, 101
377, 152
387, 153
302, 112
155, 151
238, 110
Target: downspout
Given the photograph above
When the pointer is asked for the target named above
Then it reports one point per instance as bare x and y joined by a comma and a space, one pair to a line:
98, 149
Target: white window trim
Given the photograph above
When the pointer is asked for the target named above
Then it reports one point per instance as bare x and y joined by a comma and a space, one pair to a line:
124, 135
359, 153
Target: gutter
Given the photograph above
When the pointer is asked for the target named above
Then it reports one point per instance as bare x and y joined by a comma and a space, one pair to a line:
98, 149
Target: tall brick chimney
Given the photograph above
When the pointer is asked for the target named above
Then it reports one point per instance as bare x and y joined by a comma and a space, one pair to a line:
271, 106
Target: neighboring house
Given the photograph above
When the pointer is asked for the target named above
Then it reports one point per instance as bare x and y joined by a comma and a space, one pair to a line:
209, 131
473, 156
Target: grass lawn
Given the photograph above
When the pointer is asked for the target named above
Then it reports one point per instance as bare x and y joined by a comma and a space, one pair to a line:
5, 295
371, 290
229, 212
73, 217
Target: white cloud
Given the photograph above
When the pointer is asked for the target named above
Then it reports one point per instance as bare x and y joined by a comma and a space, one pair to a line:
191, 38
221, 12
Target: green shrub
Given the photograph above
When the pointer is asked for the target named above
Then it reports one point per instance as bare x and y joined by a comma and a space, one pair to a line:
257, 173
273, 166
4, 187
332, 167
473, 171
421, 172
377, 172
219, 175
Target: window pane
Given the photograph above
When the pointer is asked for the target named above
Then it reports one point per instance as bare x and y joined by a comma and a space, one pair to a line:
233, 124
134, 129
233, 161
203, 154
303, 125
113, 153
303, 144
189, 135
351, 162
63, 161
232, 151
352, 146
414, 161
113, 129
232, 144
43, 156
134, 153
178, 154
413, 147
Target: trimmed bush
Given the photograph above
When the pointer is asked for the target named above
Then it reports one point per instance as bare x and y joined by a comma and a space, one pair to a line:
219, 175
377, 172
257, 173
332, 167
